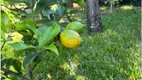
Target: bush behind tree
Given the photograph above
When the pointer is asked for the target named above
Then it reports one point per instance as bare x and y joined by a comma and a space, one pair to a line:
124, 2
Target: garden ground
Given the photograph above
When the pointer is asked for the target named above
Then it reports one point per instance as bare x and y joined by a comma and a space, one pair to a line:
111, 55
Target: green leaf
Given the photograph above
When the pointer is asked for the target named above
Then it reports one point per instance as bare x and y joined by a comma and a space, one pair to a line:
2, 34
43, 4
65, 3
32, 26
45, 36
26, 34
20, 26
43, 28
5, 23
20, 46
29, 58
47, 12
7, 62
45, 22
80, 2
29, 24
49, 34
17, 1
53, 48
60, 11
12, 78
4, 62
38, 34
63, 26
32, 3
17, 65
12, 62
73, 11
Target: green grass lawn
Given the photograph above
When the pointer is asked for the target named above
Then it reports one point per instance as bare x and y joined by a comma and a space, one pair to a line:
111, 55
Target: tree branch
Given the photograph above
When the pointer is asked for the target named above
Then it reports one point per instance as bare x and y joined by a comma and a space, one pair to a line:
3, 45
38, 59
33, 67
69, 18
14, 73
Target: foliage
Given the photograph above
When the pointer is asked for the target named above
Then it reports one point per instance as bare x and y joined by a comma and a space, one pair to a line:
123, 2
38, 32
80, 2
131, 2
112, 3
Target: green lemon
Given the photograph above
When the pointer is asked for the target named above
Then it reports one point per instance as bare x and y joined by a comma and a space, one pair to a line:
76, 26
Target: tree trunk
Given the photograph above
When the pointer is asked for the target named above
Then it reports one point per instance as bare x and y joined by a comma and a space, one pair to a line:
111, 7
71, 3
93, 17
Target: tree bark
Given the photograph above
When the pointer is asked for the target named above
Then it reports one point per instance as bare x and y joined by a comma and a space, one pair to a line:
111, 6
93, 17
71, 3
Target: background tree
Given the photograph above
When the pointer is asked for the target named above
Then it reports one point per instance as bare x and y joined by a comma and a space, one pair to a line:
93, 16
71, 3
112, 3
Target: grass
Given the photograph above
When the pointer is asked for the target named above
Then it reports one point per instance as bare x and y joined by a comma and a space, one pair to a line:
111, 55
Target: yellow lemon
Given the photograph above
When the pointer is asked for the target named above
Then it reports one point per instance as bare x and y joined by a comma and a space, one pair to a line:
70, 38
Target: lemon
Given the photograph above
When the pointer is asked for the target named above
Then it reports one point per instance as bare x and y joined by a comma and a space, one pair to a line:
70, 38
76, 26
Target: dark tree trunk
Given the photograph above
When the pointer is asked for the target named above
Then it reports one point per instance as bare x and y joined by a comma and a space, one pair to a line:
93, 17
71, 3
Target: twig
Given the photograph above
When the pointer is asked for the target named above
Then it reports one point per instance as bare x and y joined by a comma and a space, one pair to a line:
14, 73
32, 68
3, 45
69, 18
38, 59
30, 73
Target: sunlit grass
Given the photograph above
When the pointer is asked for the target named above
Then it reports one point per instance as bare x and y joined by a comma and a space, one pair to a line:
8, 12
54, 7
127, 7
103, 8
113, 54
15, 37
